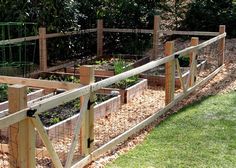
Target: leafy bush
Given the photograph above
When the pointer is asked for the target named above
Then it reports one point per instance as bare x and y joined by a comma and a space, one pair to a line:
207, 15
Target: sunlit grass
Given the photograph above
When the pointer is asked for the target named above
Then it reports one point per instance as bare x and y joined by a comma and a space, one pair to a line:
200, 135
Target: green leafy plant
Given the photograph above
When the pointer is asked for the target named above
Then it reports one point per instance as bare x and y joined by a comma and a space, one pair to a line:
184, 60
3, 92
54, 120
62, 78
120, 67
101, 62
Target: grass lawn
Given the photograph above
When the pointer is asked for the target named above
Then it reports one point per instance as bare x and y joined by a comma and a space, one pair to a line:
202, 134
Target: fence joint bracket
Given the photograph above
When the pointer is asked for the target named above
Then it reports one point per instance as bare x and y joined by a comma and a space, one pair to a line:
31, 112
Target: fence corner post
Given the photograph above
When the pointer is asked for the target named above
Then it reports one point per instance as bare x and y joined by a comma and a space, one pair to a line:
99, 38
87, 126
156, 28
22, 135
221, 46
192, 62
42, 49
169, 74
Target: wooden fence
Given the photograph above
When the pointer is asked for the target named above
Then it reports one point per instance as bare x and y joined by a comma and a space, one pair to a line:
156, 32
23, 120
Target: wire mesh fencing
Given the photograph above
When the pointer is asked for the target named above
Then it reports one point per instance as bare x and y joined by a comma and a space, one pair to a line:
137, 96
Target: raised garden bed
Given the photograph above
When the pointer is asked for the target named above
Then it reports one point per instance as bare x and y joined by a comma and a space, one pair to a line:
156, 77
60, 121
104, 67
129, 93
33, 96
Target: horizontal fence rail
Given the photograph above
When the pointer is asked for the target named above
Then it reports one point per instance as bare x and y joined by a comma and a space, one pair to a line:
82, 134
115, 30
111, 30
62, 34
73, 94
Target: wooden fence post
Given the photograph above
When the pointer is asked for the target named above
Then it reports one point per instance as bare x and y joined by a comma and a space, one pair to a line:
42, 49
157, 21
22, 134
169, 73
99, 38
192, 62
221, 46
87, 125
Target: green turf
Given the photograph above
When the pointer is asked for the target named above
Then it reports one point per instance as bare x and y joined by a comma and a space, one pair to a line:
200, 135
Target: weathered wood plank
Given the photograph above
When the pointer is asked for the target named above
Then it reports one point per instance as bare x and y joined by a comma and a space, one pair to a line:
37, 83
22, 150
116, 30
169, 73
62, 34
221, 46
156, 29
18, 40
190, 33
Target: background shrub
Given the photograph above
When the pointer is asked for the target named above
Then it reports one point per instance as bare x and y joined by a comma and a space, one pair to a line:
207, 15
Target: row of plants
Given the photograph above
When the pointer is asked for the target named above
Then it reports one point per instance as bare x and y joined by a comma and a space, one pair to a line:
60, 78
68, 110
120, 66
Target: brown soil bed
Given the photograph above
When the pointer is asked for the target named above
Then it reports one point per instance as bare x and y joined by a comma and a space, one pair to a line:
67, 110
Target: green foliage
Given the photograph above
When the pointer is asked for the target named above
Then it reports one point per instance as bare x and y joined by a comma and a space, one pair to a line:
54, 120
101, 62
62, 78
184, 60
77, 103
3, 92
207, 15
119, 67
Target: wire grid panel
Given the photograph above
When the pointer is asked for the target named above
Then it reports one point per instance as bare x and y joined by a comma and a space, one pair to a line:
60, 135
211, 55
61, 142
129, 115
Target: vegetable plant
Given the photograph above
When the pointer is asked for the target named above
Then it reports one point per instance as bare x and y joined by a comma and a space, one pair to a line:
120, 67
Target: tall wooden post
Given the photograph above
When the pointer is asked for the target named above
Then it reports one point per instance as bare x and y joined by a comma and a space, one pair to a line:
221, 46
157, 20
99, 38
193, 62
22, 134
42, 49
169, 74
87, 129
